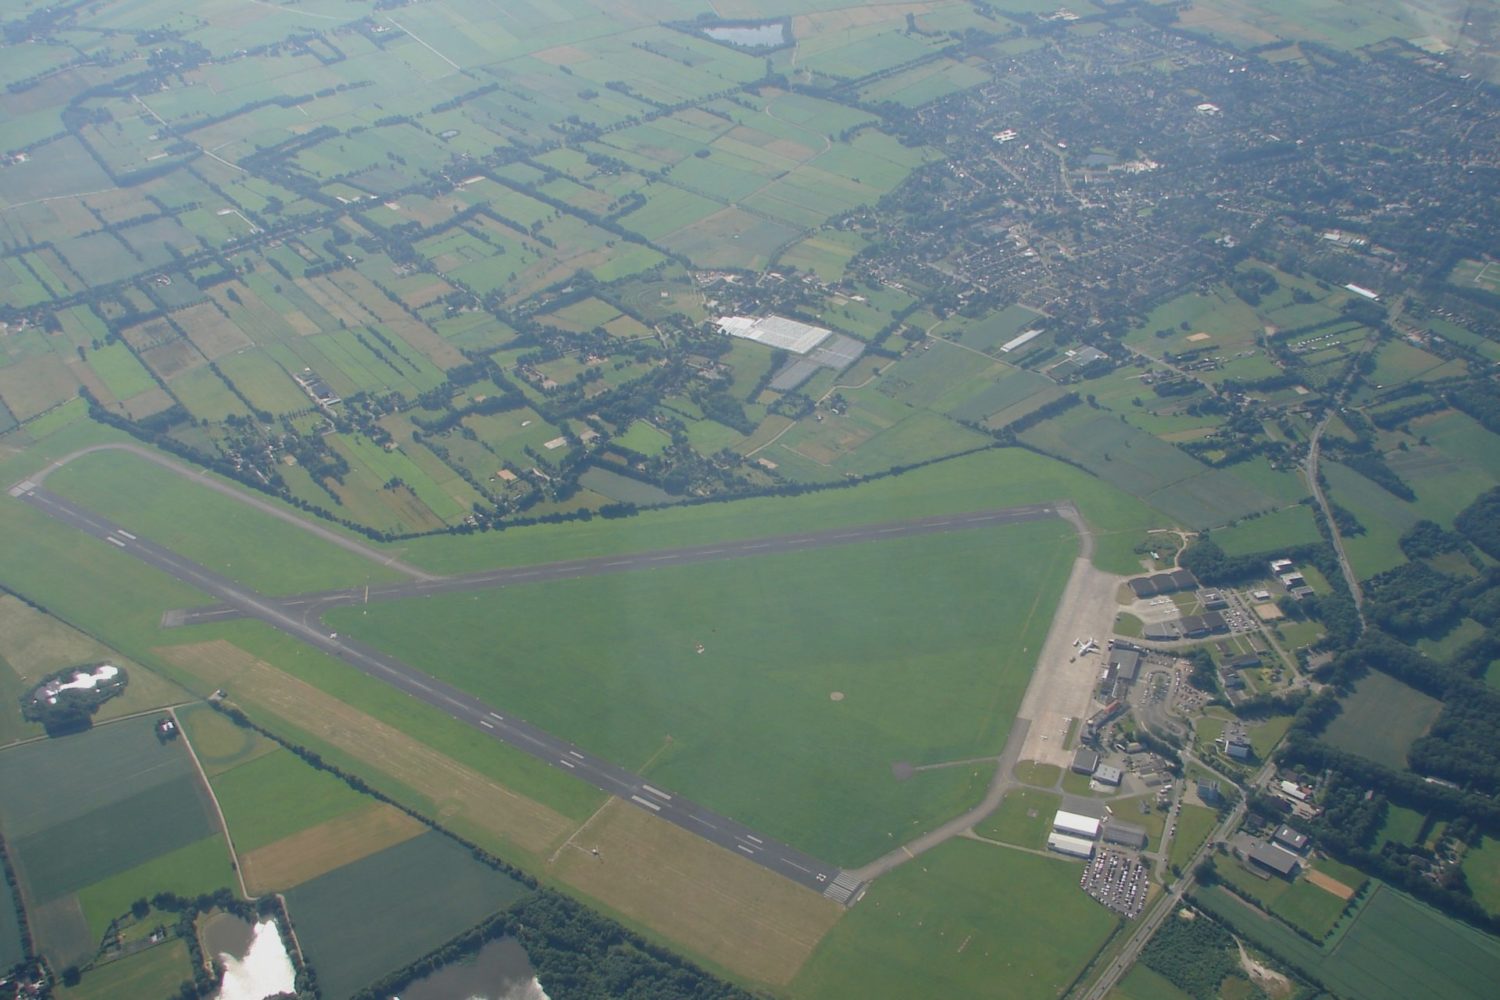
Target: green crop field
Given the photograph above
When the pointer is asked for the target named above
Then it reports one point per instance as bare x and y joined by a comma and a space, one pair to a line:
1482, 869
1381, 719
1141, 983
156, 972
1395, 949
375, 915
200, 867
1309, 908
960, 920
1384, 517
928, 641
276, 795
1278, 530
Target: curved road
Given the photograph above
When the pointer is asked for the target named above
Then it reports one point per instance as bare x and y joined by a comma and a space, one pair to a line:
1350, 578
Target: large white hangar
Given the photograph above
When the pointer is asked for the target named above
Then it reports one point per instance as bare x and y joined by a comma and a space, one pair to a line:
814, 346
776, 331
1077, 847
1076, 825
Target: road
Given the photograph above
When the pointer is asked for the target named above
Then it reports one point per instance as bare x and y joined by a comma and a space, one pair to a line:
299, 617
209, 481
1167, 904
610, 778
1333, 526
309, 607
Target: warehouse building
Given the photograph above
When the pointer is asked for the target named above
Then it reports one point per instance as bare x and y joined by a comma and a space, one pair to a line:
1125, 834
1076, 847
1076, 824
1275, 860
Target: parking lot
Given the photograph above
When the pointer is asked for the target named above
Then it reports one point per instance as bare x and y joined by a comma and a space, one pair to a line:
1117, 880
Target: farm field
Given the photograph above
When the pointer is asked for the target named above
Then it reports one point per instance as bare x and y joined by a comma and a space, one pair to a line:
934, 929
377, 914
156, 972
1282, 529
781, 635
1381, 719
1395, 946
85, 818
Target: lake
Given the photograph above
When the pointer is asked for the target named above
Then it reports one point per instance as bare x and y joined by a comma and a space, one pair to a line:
256, 964
498, 971
750, 36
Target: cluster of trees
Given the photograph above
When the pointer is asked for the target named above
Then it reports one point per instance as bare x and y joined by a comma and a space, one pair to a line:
1195, 955
1480, 522
70, 710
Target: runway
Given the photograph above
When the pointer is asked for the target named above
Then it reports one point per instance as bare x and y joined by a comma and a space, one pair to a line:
300, 617
311, 606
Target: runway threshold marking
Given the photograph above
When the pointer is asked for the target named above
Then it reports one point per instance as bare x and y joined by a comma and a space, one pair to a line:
646, 802
575, 753
123, 533
486, 723
116, 541
565, 762
744, 848
657, 792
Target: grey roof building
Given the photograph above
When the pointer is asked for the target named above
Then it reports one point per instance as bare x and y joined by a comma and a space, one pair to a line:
1125, 834
1283, 863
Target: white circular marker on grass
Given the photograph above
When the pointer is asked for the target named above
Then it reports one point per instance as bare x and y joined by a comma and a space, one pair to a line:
835, 696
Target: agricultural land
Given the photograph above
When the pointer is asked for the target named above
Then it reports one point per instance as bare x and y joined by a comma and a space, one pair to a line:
737, 500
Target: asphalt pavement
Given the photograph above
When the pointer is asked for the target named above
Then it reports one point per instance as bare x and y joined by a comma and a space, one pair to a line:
312, 606
608, 777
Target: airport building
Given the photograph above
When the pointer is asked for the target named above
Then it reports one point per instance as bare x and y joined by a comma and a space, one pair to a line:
1076, 847
1075, 824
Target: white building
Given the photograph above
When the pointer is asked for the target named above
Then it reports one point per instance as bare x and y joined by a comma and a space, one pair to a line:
1074, 846
1075, 824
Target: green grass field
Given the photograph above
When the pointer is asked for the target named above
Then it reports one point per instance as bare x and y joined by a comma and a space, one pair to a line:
1381, 719
929, 641
277, 795
1141, 983
1309, 908
1024, 818
156, 972
1395, 949
1194, 824
200, 867
1482, 869
1281, 529
994, 478
956, 922
375, 915
262, 551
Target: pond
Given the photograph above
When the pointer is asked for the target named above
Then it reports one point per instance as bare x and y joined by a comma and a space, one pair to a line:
766, 35
498, 971
256, 964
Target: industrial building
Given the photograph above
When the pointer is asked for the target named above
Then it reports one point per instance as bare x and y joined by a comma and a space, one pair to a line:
1106, 774
1127, 663
1076, 824
1084, 761
1077, 847
1274, 859
1163, 583
1125, 834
